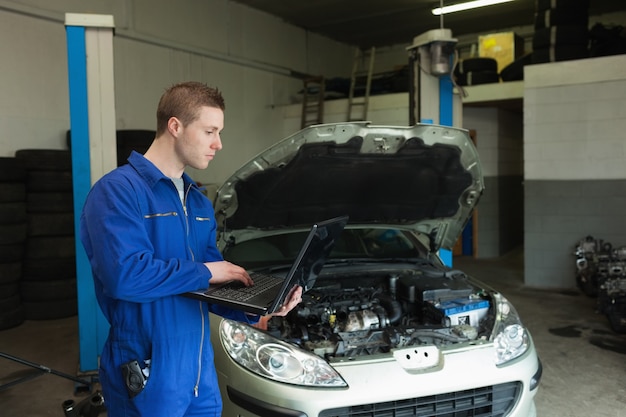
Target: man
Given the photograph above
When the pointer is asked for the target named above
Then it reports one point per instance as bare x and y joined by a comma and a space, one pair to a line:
150, 235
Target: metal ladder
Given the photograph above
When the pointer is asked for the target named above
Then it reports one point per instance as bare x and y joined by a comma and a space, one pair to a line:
360, 75
313, 104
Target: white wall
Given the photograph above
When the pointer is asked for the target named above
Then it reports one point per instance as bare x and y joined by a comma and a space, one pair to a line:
575, 119
249, 55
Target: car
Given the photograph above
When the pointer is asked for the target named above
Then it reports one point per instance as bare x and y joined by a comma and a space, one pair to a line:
386, 327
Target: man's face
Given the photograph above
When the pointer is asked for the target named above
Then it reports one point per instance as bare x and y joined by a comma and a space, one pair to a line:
200, 140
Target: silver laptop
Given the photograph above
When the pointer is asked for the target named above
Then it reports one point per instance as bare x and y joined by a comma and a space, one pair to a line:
269, 292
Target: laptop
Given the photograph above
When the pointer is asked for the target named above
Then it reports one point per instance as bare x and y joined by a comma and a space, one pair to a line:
269, 292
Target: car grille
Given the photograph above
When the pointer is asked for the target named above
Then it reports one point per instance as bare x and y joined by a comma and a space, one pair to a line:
492, 401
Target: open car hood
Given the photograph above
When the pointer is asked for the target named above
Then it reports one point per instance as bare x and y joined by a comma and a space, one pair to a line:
426, 177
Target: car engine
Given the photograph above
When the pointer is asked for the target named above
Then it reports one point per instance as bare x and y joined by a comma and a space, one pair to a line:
601, 273
348, 316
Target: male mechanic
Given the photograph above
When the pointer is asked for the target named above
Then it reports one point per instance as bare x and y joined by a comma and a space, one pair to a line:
150, 235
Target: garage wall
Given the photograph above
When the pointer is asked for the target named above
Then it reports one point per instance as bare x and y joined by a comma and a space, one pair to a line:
249, 55
499, 140
574, 163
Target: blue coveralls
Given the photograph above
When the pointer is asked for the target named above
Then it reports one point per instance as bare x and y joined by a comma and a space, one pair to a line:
145, 249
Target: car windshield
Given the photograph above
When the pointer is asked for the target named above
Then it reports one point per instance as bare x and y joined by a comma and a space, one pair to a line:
363, 243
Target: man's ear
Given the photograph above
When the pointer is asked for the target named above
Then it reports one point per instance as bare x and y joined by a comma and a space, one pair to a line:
174, 126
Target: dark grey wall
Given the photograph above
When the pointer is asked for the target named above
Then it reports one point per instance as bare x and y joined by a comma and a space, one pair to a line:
558, 214
500, 216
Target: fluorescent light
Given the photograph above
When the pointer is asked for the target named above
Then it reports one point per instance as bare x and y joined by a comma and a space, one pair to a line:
466, 6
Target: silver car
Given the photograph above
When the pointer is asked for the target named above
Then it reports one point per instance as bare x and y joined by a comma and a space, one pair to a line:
385, 328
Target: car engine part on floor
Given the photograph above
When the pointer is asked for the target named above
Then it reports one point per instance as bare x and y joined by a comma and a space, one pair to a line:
601, 273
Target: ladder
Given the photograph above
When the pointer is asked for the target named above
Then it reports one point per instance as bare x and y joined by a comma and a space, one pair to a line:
360, 84
313, 101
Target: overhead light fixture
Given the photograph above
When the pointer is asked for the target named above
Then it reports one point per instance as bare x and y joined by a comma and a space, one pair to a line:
466, 6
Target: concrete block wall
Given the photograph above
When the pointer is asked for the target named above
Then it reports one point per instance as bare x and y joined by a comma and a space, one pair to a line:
574, 163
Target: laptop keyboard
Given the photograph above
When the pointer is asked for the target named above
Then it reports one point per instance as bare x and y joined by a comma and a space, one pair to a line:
240, 293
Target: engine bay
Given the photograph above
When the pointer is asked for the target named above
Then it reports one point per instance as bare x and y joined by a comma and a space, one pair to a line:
357, 314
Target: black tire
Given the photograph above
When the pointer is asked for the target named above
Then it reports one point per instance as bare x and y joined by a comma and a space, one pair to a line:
12, 170
45, 159
541, 5
12, 191
50, 224
49, 269
482, 77
560, 53
515, 70
10, 272
9, 289
12, 252
48, 290
11, 318
43, 247
49, 202
14, 212
49, 181
127, 140
560, 36
556, 17
10, 303
50, 310
468, 65
12, 233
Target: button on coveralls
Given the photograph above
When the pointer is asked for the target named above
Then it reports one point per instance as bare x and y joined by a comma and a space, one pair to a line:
145, 249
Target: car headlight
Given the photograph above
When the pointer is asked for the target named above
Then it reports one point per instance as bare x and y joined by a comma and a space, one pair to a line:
510, 338
271, 358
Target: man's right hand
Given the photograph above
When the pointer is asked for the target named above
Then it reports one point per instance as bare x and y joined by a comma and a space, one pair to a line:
224, 271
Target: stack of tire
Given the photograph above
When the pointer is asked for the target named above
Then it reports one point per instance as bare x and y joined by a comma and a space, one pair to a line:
561, 30
13, 228
475, 71
48, 285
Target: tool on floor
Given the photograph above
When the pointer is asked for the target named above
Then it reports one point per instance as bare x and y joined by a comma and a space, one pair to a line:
40, 371
91, 406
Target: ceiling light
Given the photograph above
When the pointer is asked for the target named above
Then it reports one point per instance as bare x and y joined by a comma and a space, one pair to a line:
466, 6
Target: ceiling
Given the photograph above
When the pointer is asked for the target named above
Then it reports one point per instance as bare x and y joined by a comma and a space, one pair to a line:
367, 23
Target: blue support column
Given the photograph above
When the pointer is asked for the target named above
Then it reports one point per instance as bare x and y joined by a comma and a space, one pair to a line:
92, 326
445, 119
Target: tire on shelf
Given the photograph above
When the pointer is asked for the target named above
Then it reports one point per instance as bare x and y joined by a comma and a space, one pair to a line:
468, 65
541, 5
13, 233
39, 247
12, 192
49, 181
49, 269
13, 252
50, 310
564, 16
12, 170
560, 36
49, 202
11, 318
51, 224
45, 159
515, 70
48, 290
13, 212
559, 53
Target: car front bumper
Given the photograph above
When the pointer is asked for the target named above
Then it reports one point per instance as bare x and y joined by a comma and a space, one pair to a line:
464, 380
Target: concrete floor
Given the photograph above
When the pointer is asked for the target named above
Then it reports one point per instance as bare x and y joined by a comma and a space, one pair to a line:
584, 362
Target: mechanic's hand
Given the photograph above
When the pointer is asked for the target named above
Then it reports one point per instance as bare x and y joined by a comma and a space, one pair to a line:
293, 299
224, 271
